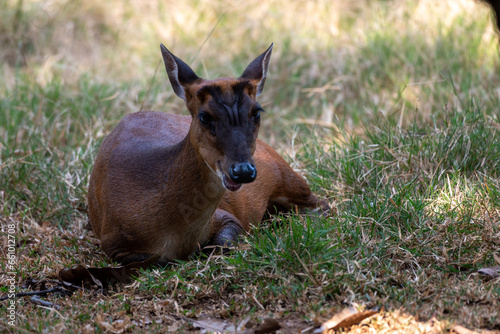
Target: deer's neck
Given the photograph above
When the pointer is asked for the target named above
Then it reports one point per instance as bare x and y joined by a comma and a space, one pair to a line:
199, 189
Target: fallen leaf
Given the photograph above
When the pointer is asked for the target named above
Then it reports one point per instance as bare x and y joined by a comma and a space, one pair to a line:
210, 325
117, 327
346, 318
493, 272
269, 325
213, 325
47, 227
461, 330
79, 276
88, 329
143, 322
104, 324
497, 257
122, 324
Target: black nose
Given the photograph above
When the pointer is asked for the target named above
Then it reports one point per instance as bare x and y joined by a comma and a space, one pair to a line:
243, 172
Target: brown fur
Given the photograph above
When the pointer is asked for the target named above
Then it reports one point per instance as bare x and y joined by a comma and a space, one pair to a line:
157, 186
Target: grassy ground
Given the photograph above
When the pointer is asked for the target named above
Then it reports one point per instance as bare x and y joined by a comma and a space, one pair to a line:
390, 109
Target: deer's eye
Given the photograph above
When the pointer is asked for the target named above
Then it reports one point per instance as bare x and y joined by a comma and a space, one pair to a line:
256, 114
205, 118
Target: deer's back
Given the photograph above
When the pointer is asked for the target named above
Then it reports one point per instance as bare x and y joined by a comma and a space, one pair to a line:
132, 181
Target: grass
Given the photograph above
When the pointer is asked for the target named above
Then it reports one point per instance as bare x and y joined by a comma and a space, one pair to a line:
390, 109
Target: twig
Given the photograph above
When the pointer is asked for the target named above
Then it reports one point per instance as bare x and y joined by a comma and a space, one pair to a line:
37, 293
311, 277
37, 300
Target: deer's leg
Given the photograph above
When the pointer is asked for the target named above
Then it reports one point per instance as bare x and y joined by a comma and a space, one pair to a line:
124, 256
133, 257
225, 230
295, 193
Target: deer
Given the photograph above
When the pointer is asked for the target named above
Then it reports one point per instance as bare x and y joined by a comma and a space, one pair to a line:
167, 185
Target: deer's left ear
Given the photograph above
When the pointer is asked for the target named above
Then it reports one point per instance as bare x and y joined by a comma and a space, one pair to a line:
256, 72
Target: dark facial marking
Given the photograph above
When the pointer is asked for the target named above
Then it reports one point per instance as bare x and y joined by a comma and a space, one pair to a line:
212, 90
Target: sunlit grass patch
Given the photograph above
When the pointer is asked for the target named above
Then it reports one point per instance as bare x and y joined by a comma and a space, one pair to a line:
416, 204
461, 199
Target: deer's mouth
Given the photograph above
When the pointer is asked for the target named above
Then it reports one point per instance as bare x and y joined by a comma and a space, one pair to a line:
230, 184
227, 182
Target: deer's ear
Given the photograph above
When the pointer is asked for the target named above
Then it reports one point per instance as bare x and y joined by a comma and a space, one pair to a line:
256, 72
179, 73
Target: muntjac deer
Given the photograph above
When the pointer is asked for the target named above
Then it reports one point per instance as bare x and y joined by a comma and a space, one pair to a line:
167, 185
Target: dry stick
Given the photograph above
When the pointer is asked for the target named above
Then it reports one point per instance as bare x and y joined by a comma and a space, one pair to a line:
151, 85
311, 277
36, 293
37, 300
206, 38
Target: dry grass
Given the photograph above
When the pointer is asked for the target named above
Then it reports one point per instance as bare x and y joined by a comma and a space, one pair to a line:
390, 108
406, 50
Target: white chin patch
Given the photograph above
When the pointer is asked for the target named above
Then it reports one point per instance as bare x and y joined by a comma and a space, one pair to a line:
220, 174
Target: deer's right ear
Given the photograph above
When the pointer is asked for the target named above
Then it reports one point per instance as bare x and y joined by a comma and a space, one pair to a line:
179, 73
